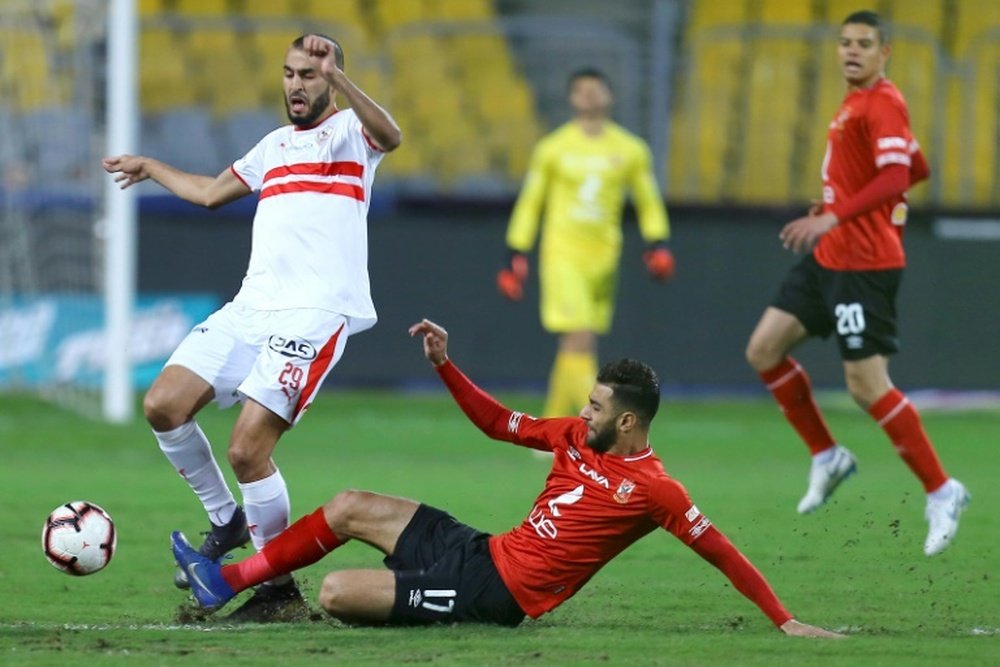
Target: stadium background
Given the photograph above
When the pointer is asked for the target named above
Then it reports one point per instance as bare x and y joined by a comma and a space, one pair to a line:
732, 95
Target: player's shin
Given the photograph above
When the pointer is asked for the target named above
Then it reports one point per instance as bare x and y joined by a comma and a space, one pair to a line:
901, 422
303, 543
187, 448
790, 386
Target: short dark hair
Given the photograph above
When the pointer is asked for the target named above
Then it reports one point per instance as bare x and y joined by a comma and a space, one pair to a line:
635, 387
588, 73
869, 18
338, 51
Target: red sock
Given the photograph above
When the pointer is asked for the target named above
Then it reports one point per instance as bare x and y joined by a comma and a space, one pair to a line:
303, 543
901, 422
790, 386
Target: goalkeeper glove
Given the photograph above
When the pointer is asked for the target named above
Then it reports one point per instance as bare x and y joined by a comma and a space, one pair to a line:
510, 279
659, 261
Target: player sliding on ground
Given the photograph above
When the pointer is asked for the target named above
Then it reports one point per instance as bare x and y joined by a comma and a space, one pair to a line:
607, 489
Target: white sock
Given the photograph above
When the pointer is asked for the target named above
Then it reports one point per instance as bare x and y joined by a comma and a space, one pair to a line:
266, 504
941, 493
826, 455
187, 448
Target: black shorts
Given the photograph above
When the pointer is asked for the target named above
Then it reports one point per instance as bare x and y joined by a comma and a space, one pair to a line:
445, 574
860, 306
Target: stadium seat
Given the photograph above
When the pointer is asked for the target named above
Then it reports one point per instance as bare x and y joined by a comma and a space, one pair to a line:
459, 10
60, 155
163, 78
784, 12
200, 8
170, 136
221, 70
26, 81
707, 13
241, 130
391, 14
773, 106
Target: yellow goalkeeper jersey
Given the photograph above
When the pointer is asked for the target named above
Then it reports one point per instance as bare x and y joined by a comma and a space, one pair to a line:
581, 180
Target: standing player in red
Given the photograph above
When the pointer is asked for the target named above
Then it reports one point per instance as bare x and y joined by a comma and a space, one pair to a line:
305, 292
847, 283
607, 489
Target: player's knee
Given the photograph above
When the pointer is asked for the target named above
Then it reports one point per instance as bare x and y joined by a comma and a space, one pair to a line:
346, 509
866, 390
332, 593
247, 462
160, 413
761, 355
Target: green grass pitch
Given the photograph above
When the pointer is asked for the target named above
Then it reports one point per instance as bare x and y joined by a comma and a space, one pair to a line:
856, 565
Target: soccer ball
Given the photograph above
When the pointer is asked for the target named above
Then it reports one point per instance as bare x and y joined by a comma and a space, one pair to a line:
79, 538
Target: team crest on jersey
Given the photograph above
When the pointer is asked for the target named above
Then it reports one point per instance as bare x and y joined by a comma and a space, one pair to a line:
624, 491
841, 119
323, 135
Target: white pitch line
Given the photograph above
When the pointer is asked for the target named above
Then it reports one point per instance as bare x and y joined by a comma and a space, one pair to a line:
118, 626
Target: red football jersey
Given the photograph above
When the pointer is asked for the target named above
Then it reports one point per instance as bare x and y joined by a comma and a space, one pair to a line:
593, 507
870, 131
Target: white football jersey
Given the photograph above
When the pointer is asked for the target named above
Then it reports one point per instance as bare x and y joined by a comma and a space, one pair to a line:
310, 232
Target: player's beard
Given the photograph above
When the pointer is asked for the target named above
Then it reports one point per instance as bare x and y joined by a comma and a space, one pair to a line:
316, 110
604, 438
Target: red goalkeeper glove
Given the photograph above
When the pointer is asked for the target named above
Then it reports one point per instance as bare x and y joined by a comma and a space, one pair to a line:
510, 280
659, 261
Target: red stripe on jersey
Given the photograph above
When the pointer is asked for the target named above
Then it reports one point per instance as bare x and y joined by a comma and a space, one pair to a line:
343, 189
368, 140
317, 169
317, 370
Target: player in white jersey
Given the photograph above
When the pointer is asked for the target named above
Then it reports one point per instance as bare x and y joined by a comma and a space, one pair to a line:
305, 291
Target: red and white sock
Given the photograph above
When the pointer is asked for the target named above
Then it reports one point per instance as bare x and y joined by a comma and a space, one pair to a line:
301, 544
789, 384
901, 422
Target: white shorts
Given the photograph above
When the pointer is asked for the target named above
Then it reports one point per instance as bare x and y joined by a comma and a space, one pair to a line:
278, 358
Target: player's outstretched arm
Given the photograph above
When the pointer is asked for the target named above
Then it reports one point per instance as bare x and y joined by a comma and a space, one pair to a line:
378, 123
201, 190
794, 628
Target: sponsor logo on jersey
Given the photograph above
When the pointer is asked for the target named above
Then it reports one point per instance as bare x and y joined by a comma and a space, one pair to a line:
594, 475
700, 527
291, 347
514, 421
692, 513
573, 454
624, 491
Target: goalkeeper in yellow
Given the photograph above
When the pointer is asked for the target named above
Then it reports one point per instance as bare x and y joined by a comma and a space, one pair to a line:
580, 173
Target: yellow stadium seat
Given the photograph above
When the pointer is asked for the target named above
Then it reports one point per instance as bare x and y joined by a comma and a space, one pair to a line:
393, 13
147, 8
24, 79
785, 12
927, 15
974, 19
458, 10
202, 8
706, 13
163, 79
773, 99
